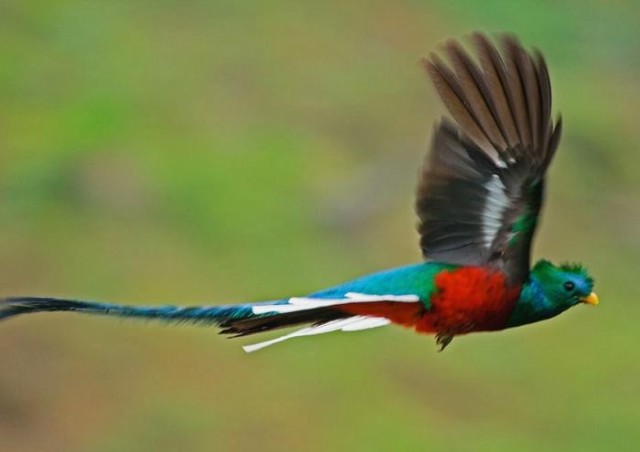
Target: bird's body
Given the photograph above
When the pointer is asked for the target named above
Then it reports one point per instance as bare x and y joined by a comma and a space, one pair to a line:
478, 202
453, 299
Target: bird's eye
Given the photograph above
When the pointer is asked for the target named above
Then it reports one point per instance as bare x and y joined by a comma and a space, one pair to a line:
569, 286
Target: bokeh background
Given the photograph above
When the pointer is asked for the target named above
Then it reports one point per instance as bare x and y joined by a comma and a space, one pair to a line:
216, 152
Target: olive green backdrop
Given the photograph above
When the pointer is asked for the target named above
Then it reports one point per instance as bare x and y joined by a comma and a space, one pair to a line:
217, 152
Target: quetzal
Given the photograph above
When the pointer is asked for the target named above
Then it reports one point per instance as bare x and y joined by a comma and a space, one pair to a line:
478, 201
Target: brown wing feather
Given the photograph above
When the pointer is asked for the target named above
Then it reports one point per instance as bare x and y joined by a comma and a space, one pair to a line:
476, 92
546, 127
481, 189
532, 96
515, 89
449, 89
496, 77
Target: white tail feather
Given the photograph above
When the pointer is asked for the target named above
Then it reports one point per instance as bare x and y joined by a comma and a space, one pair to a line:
303, 304
355, 323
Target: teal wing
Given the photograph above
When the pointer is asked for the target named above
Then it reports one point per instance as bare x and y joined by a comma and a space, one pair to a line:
481, 189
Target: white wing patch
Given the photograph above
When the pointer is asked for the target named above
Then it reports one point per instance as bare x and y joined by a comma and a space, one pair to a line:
302, 304
495, 204
355, 323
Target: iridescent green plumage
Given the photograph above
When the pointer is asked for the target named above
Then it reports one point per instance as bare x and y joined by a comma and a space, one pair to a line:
478, 201
546, 293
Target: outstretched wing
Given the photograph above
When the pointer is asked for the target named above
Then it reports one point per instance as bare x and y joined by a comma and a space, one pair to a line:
481, 189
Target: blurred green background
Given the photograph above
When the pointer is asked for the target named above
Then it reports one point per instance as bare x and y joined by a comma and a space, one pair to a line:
216, 152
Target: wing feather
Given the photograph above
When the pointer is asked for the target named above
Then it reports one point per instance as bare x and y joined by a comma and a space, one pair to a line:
515, 89
449, 89
477, 92
481, 189
496, 78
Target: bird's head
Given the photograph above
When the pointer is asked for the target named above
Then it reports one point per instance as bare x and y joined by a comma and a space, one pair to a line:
564, 285
552, 289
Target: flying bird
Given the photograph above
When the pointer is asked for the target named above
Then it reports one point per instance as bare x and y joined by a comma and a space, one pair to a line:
479, 197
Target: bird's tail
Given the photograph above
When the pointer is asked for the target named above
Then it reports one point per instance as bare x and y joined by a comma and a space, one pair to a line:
235, 320
322, 313
10, 307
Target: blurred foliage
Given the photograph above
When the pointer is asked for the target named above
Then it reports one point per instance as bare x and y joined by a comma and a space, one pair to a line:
224, 151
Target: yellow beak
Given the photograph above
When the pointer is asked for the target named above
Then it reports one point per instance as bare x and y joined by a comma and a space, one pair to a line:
591, 299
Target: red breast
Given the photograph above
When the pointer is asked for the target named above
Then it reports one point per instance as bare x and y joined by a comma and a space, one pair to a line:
469, 299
